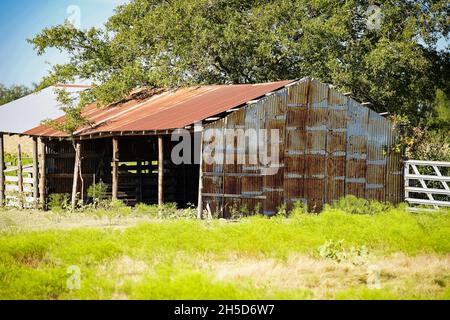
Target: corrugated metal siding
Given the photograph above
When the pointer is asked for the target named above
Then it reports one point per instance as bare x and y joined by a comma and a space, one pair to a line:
330, 146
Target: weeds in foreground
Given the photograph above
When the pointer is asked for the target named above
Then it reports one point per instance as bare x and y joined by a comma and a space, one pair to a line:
335, 250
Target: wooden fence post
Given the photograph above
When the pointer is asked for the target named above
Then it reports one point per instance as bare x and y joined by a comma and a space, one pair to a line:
43, 174
76, 174
160, 170
115, 169
20, 175
35, 173
2, 172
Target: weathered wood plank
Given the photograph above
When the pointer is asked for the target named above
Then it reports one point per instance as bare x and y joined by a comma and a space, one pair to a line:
115, 168
35, 172
42, 174
160, 170
76, 172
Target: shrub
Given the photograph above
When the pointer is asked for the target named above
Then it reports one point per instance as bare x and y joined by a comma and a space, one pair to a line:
59, 202
335, 251
168, 211
150, 210
354, 205
282, 211
299, 209
97, 192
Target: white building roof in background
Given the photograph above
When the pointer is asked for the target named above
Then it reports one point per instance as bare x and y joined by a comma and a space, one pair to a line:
23, 114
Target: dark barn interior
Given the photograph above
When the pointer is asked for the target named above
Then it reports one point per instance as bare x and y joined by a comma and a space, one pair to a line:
138, 169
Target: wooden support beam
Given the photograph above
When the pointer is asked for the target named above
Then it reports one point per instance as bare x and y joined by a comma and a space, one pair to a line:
20, 175
115, 168
160, 170
139, 183
35, 173
76, 174
43, 175
199, 130
2, 171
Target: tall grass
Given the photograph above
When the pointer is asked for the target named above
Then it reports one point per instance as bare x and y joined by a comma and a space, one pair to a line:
34, 264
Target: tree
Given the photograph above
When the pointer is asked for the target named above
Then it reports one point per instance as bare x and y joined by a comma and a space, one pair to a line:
385, 54
73, 120
12, 93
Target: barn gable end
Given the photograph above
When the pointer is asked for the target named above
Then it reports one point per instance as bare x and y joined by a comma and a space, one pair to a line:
330, 146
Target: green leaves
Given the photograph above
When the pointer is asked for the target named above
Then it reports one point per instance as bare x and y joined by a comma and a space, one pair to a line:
391, 61
12, 93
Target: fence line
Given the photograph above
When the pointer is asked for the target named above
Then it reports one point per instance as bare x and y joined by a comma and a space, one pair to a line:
19, 188
432, 182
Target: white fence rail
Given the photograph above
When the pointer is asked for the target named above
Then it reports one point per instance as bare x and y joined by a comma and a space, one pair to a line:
427, 183
19, 189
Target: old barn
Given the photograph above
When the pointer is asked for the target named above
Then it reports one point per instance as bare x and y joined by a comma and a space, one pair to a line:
328, 146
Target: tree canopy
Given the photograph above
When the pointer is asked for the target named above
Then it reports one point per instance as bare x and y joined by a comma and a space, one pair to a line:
384, 52
12, 93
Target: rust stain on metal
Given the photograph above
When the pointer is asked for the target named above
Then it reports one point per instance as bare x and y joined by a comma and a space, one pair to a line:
331, 146
165, 110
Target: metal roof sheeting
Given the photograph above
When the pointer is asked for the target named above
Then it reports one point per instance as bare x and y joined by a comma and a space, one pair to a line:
165, 110
23, 114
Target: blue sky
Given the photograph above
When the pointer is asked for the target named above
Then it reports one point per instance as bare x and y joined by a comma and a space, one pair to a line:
21, 19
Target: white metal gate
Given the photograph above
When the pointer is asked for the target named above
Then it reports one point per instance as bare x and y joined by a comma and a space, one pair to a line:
427, 183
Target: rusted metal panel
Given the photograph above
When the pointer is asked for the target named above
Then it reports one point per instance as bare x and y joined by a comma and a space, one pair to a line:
275, 113
235, 149
252, 181
213, 190
316, 145
331, 146
157, 109
356, 154
296, 141
336, 145
376, 157
394, 172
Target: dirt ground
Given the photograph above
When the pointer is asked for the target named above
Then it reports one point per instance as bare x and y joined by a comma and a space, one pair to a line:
14, 219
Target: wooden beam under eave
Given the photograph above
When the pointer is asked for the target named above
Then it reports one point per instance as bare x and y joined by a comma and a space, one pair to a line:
160, 170
2, 171
35, 173
115, 168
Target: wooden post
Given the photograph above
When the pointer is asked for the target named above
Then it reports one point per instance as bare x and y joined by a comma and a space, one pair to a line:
115, 169
160, 170
35, 173
199, 130
76, 173
43, 174
139, 181
2, 172
20, 175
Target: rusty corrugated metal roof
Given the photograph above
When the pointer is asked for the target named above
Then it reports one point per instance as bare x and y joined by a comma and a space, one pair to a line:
165, 110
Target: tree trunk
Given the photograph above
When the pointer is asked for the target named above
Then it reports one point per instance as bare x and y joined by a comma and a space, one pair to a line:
77, 147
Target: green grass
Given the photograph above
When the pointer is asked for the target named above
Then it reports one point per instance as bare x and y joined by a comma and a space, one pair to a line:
182, 259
